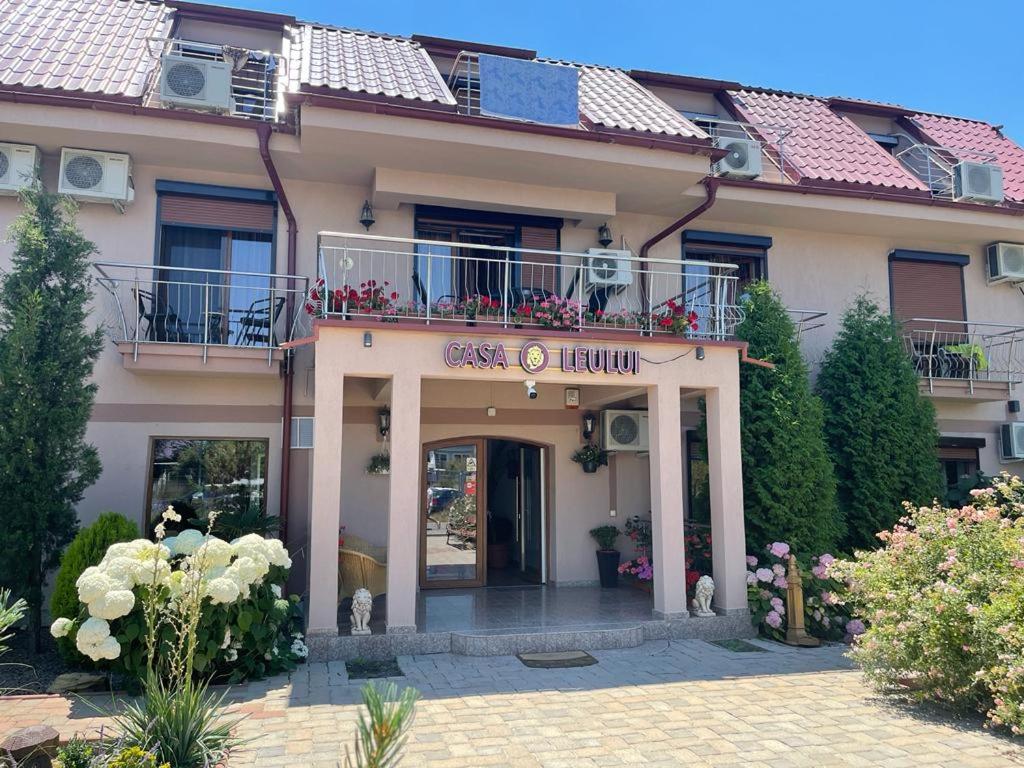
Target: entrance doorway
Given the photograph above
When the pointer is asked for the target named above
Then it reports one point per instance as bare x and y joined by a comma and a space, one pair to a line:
485, 514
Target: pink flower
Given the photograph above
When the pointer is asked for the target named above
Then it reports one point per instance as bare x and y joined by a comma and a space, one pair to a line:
779, 549
855, 627
1017, 563
828, 598
818, 571
778, 570
780, 582
764, 574
751, 577
773, 619
826, 560
777, 604
751, 561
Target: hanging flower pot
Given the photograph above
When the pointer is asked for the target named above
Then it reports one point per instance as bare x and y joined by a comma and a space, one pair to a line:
380, 464
590, 467
590, 457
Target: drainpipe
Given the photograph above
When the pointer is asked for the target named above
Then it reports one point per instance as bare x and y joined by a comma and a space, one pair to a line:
263, 131
711, 188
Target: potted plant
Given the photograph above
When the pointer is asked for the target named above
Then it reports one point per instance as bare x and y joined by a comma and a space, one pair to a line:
590, 457
380, 464
607, 555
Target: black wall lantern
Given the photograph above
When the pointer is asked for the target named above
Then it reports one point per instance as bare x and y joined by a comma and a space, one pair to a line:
366, 217
384, 422
604, 235
589, 421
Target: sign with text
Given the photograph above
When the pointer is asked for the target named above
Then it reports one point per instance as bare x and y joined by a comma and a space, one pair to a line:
534, 357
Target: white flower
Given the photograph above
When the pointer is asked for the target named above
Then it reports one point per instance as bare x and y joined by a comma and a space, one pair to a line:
299, 649
160, 530
186, 542
107, 648
170, 514
122, 570
276, 589
222, 590
93, 631
93, 584
231, 655
214, 553
227, 638
113, 605
276, 553
155, 572
61, 627
248, 570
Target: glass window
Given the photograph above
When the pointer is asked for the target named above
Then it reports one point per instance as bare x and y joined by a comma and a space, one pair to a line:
698, 487
197, 476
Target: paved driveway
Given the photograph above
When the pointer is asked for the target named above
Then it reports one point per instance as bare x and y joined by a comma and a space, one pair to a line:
687, 703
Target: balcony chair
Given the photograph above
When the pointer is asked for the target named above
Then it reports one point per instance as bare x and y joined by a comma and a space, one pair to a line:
162, 321
255, 328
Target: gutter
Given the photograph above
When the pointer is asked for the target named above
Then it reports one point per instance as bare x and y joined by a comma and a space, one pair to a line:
263, 132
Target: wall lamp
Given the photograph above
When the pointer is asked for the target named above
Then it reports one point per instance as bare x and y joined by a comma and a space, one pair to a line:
367, 339
700, 353
366, 216
604, 235
589, 422
384, 422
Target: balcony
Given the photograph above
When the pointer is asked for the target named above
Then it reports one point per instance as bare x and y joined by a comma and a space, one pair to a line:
458, 284
186, 320
963, 360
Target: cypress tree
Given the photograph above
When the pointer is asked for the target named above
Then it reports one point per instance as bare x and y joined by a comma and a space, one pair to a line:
788, 483
880, 430
46, 396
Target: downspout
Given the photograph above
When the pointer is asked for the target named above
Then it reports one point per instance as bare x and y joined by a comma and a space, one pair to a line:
264, 131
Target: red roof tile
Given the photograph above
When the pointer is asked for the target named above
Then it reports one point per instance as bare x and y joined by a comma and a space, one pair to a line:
364, 62
820, 143
967, 138
91, 46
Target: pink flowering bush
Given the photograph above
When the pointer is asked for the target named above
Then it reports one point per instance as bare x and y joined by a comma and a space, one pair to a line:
825, 616
944, 600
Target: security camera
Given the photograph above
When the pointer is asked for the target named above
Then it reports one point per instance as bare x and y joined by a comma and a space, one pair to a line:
531, 388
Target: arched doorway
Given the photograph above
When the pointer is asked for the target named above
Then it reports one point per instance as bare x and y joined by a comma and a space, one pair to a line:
485, 513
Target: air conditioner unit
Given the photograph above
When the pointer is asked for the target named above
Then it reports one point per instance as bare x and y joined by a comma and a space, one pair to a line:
607, 268
187, 81
98, 177
625, 431
978, 182
19, 167
1011, 441
743, 160
1005, 262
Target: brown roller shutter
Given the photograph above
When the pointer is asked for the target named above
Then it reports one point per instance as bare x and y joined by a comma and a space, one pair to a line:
958, 454
542, 270
927, 289
216, 212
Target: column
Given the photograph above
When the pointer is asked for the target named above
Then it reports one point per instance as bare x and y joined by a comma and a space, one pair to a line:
404, 502
667, 502
725, 468
325, 505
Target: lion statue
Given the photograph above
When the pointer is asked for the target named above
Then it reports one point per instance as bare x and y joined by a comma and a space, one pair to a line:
362, 607
703, 592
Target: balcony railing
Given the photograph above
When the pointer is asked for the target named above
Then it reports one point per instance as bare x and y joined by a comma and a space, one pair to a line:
970, 352
776, 167
395, 279
936, 166
148, 304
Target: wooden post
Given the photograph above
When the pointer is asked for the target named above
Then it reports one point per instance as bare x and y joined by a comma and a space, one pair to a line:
795, 633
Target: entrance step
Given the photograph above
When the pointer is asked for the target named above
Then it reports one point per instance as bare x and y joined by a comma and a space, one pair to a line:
508, 642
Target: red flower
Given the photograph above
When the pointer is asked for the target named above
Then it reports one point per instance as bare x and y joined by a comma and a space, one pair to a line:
665, 322
394, 295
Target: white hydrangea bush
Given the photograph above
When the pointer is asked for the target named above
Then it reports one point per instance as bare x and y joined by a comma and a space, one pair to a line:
247, 629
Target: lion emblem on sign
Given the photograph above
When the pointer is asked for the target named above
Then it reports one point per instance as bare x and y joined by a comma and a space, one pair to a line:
533, 357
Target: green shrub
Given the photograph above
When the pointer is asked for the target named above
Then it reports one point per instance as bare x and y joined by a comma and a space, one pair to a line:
605, 536
944, 599
87, 549
135, 757
77, 753
381, 734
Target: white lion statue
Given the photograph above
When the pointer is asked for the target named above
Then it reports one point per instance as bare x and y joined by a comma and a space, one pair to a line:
362, 607
703, 592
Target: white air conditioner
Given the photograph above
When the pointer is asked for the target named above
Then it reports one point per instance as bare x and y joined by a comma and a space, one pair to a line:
98, 177
625, 431
978, 182
1005, 262
1011, 441
609, 268
19, 167
743, 160
187, 81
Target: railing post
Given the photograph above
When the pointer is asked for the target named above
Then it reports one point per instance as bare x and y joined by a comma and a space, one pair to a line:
932, 356
430, 282
579, 288
206, 318
506, 291
138, 316
271, 322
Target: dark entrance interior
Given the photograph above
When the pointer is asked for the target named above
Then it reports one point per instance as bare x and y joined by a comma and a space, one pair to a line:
516, 529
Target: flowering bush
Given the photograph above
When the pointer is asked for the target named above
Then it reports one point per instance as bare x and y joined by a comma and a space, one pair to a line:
825, 616
480, 306
557, 313
243, 627
945, 602
370, 298
676, 319
641, 567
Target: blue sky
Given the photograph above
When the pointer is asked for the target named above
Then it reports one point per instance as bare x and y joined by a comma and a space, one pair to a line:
949, 56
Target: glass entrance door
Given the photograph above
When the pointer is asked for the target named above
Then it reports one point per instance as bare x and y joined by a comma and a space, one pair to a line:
453, 526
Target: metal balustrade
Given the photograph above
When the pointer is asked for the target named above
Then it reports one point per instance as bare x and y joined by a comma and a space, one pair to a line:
973, 352
400, 279
152, 304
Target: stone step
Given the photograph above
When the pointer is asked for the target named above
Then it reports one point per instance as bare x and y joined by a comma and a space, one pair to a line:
507, 642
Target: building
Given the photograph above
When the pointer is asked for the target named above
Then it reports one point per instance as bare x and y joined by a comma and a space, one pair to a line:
318, 245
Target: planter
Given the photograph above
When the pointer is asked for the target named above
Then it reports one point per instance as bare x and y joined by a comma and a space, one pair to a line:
608, 567
497, 556
590, 467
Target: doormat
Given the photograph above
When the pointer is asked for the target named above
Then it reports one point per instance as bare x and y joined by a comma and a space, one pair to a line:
560, 660
738, 646
364, 669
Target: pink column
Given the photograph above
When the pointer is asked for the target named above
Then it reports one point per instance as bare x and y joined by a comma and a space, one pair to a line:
667, 547
404, 502
325, 506
728, 545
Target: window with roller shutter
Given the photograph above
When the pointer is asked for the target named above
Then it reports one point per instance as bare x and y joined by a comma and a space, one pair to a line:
927, 286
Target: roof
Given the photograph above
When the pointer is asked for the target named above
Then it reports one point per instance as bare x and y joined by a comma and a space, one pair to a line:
968, 137
87, 46
363, 62
821, 144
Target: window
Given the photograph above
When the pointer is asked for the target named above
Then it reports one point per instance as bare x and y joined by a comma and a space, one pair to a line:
219, 252
929, 286
748, 252
698, 489
885, 141
197, 476
958, 457
302, 432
